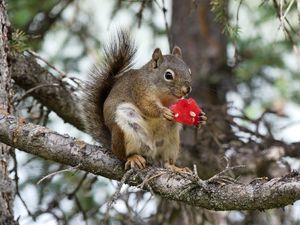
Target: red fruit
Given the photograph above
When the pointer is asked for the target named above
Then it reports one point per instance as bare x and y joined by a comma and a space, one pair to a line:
186, 111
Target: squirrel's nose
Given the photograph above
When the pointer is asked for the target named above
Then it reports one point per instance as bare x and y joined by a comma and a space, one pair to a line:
186, 89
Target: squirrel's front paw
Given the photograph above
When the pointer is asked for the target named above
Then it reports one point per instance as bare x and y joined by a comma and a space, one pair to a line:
135, 161
168, 114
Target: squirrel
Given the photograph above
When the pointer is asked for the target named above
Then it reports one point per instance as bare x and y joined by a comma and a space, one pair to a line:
128, 108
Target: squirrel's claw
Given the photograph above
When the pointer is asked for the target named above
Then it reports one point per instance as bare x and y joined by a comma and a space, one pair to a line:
168, 114
135, 161
202, 119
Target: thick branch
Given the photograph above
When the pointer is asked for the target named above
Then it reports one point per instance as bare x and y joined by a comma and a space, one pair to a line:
50, 145
49, 90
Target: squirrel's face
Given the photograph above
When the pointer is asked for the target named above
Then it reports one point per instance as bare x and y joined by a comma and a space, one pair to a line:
172, 76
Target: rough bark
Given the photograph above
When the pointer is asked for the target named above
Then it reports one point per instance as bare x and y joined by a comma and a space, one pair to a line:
6, 186
259, 194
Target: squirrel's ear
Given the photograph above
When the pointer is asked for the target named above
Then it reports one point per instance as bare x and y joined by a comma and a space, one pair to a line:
157, 58
177, 52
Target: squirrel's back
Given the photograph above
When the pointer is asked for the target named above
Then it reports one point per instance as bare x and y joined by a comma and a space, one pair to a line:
118, 57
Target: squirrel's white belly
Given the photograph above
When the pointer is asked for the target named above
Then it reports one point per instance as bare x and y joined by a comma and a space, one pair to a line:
150, 137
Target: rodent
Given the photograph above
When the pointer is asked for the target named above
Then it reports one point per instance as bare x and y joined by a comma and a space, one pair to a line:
129, 107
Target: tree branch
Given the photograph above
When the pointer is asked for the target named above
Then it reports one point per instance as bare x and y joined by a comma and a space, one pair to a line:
50, 145
59, 98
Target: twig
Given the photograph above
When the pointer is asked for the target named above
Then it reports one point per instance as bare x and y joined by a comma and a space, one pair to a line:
85, 218
236, 52
220, 174
281, 13
298, 9
33, 89
76, 80
15, 169
147, 179
293, 123
144, 206
139, 15
195, 170
164, 10
58, 172
71, 195
189, 188
287, 32
62, 74
46, 117
283, 16
116, 195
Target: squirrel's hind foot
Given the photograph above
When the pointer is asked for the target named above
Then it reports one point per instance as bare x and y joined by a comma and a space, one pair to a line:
135, 161
173, 168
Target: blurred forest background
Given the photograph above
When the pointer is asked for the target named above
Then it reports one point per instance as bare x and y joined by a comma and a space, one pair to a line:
244, 57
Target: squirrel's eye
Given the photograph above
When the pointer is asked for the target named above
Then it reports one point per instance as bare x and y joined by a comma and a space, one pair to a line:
169, 75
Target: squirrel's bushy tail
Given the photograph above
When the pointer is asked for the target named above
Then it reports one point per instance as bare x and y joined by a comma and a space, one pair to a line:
118, 57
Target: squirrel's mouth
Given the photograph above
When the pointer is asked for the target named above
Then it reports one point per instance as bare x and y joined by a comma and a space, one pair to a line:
169, 99
178, 96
